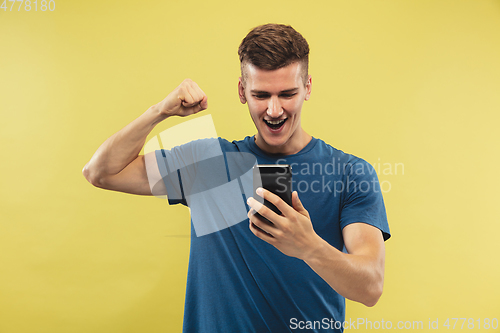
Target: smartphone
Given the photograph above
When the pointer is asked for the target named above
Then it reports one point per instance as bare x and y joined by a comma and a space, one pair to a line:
276, 178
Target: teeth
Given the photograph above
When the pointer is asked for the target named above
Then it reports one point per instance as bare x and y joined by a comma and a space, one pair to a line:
275, 122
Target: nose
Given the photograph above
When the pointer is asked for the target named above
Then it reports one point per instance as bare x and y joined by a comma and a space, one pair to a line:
274, 108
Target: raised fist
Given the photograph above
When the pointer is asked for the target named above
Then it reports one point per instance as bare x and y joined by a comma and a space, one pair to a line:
185, 100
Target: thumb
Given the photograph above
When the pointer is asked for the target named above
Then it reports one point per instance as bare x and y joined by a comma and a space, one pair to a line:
190, 109
204, 103
297, 204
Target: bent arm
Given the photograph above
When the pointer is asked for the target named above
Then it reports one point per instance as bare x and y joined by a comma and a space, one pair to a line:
117, 165
359, 274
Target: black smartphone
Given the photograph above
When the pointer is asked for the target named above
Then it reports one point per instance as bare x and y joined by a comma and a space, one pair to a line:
276, 178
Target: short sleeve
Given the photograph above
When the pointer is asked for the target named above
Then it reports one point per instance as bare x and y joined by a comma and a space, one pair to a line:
171, 179
191, 168
362, 198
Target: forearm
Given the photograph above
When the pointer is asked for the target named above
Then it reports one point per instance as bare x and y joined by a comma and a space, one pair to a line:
358, 277
122, 147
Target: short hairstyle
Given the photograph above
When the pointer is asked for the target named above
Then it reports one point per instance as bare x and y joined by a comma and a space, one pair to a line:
273, 46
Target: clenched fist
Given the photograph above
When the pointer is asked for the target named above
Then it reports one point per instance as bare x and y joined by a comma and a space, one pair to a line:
185, 100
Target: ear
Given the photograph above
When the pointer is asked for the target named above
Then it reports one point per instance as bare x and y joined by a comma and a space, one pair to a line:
241, 91
308, 87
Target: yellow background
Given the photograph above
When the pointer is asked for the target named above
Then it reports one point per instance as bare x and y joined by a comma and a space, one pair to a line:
411, 82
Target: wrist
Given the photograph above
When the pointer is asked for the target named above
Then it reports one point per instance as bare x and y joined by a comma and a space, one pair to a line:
156, 114
314, 252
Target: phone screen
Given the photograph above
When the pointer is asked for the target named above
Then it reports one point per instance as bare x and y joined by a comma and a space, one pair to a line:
275, 178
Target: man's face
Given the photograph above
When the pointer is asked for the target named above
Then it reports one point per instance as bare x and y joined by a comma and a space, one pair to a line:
275, 99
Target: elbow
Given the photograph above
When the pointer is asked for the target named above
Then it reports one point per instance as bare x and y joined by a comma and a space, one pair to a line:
372, 301
91, 176
375, 287
373, 294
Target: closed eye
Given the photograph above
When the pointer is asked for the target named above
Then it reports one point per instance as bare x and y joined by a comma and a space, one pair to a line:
283, 95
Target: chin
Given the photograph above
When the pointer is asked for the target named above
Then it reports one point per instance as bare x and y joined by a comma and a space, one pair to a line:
275, 142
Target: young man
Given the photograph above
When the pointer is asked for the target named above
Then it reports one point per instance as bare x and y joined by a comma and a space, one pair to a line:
292, 274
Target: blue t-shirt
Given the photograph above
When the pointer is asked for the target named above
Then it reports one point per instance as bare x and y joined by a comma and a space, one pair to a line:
239, 283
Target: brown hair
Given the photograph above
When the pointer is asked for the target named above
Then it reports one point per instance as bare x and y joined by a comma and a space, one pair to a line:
273, 46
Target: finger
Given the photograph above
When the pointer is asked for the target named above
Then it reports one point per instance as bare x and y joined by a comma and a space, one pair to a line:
263, 210
284, 208
297, 204
204, 103
199, 106
251, 212
261, 233
261, 228
185, 97
189, 101
254, 204
195, 93
200, 94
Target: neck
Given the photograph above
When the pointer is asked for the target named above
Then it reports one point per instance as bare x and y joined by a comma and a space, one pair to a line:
296, 143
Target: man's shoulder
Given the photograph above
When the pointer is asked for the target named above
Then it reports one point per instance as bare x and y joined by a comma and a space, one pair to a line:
235, 145
329, 151
346, 160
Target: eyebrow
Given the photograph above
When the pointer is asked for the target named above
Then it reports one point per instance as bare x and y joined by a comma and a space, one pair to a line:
281, 92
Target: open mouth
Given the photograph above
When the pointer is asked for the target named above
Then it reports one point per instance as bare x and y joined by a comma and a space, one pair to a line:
275, 124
